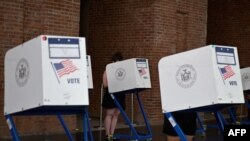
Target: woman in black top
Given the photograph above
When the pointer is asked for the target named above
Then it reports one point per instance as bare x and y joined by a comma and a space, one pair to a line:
112, 112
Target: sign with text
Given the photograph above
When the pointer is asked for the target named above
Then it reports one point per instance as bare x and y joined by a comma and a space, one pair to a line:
237, 132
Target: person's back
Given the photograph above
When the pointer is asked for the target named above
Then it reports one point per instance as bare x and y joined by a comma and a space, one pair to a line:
112, 112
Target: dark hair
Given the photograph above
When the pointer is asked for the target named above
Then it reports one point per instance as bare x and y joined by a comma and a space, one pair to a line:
117, 57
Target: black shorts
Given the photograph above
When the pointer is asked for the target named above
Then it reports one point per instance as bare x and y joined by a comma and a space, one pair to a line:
108, 102
186, 121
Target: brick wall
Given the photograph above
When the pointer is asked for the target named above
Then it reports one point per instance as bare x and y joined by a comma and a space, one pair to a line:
229, 24
21, 20
150, 29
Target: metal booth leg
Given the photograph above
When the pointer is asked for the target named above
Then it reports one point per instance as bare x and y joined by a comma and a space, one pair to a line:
12, 127
86, 126
125, 118
220, 120
176, 127
232, 114
247, 121
144, 114
69, 135
202, 129
135, 134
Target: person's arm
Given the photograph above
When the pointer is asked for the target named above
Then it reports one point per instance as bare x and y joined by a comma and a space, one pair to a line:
104, 79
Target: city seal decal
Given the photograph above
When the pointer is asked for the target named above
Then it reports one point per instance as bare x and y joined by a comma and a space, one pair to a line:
186, 76
22, 72
246, 77
120, 73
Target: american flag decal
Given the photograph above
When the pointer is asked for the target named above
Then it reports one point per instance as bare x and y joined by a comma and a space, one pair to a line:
142, 71
227, 72
64, 67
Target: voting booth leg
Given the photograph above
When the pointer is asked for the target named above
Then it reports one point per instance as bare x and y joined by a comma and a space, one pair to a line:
232, 114
144, 115
86, 127
248, 107
125, 118
12, 127
176, 127
135, 135
220, 120
87, 132
60, 118
201, 124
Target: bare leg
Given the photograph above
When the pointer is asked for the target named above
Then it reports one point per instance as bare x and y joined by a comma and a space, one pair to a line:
108, 120
173, 138
114, 120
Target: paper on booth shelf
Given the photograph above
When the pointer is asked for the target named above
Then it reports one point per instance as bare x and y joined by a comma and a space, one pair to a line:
46, 71
200, 77
128, 74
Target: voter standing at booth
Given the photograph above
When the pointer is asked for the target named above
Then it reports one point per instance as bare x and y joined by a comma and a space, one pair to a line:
112, 112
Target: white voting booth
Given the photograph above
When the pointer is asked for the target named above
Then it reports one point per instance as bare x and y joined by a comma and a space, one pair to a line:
200, 77
205, 77
131, 76
128, 75
46, 71
245, 76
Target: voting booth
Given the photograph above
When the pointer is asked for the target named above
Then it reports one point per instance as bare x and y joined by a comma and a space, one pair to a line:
46, 73
245, 76
130, 76
200, 77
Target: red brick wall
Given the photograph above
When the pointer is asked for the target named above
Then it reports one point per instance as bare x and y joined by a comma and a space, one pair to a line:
229, 24
150, 29
21, 20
